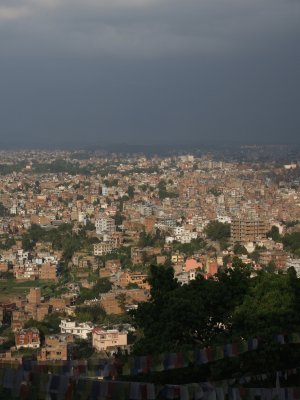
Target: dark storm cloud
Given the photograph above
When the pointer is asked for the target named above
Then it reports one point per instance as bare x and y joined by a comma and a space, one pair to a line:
97, 71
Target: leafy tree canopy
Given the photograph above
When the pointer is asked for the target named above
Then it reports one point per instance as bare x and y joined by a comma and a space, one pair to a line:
216, 230
270, 306
291, 242
239, 249
274, 234
231, 306
190, 248
3, 210
130, 191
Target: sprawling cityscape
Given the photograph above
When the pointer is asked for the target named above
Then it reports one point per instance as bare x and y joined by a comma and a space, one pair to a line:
106, 256
149, 200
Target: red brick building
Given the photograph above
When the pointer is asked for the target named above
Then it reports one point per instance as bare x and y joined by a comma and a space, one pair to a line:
28, 338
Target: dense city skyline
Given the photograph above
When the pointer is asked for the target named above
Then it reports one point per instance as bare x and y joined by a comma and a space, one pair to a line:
149, 199
108, 260
148, 72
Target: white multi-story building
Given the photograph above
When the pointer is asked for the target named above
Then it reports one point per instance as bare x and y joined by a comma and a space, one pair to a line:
100, 249
224, 219
80, 330
169, 239
184, 236
13, 210
179, 230
81, 216
104, 190
105, 225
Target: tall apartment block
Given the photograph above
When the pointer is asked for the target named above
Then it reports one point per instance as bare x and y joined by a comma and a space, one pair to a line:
105, 225
248, 230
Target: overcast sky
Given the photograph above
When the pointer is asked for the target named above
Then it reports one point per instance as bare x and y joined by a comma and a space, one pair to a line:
92, 72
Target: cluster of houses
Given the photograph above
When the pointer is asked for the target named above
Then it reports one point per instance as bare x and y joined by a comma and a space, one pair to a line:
170, 198
62, 346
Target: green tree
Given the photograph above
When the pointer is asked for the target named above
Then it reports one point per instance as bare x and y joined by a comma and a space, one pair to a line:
27, 244
130, 191
184, 316
8, 242
36, 233
3, 210
162, 282
274, 234
102, 285
93, 314
163, 193
216, 192
146, 239
216, 230
84, 348
144, 187
271, 306
89, 226
270, 267
70, 245
255, 255
239, 249
118, 218
227, 308
190, 248
291, 242
50, 324
121, 301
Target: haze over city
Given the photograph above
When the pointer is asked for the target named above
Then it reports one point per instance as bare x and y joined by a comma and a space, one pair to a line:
77, 74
